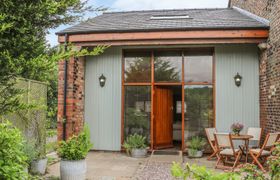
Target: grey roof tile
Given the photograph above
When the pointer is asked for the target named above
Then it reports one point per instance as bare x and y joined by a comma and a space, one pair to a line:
227, 18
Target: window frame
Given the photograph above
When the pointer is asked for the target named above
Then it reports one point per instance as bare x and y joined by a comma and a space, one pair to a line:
210, 50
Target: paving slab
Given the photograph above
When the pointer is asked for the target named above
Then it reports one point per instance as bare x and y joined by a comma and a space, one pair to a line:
118, 166
106, 166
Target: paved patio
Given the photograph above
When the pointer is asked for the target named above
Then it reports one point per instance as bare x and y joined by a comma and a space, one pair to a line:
118, 166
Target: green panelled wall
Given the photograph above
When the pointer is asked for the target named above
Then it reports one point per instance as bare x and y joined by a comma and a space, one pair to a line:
233, 104
237, 104
103, 105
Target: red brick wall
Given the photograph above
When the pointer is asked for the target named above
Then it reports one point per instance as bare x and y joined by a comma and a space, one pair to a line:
269, 62
75, 97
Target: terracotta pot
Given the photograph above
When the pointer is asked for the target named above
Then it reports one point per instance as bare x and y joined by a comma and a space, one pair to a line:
73, 170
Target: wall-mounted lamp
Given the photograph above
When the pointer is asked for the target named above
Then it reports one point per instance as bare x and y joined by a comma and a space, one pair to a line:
102, 80
237, 79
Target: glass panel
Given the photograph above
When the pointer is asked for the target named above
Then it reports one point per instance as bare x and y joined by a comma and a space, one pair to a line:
199, 115
137, 67
137, 111
198, 69
168, 67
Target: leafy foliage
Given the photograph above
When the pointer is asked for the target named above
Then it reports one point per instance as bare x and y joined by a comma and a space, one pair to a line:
200, 173
247, 172
135, 141
23, 48
274, 162
250, 172
196, 144
12, 157
30, 151
76, 147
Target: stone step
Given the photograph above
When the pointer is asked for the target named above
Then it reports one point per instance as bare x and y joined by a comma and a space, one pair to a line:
167, 156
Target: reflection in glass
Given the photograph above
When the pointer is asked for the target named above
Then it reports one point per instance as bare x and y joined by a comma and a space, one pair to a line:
168, 67
137, 111
199, 113
198, 69
137, 67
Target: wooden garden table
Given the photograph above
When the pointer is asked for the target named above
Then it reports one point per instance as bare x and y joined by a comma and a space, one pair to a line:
245, 138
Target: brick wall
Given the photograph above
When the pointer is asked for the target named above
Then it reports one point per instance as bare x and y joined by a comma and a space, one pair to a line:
75, 97
269, 62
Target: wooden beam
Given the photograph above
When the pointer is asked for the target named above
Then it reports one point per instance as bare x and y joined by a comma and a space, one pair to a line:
165, 35
173, 42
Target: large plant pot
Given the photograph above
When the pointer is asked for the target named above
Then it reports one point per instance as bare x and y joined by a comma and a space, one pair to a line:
39, 166
139, 153
195, 154
73, 170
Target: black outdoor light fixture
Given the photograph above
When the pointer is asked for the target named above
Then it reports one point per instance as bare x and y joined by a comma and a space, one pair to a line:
237, 79
102, 80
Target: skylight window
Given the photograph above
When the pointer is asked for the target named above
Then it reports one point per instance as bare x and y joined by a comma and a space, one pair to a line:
170, 17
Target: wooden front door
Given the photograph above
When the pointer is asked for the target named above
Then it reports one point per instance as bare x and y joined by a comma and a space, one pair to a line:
163, 122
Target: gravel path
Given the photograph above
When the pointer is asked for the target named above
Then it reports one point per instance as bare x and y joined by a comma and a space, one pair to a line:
154, 171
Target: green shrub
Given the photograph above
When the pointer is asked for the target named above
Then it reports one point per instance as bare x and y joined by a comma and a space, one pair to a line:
76, 147
12, 157
30, 151
200, 173
247, 172
196, 144
135, 141
274, 163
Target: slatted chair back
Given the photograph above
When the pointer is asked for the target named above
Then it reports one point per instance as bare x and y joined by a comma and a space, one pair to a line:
211, 139
223, 140
210, 133
255, 132
270, 139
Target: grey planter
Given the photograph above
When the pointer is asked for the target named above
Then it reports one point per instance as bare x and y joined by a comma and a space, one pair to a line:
139, 153
198, 154
39, 166
73, 170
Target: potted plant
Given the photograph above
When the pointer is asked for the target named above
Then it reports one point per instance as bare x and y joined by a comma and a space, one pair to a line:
135, 145
39, 164
31, 153
236, 128
196, 147
73, 153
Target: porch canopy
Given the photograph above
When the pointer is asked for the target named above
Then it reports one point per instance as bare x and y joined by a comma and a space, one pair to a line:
168, 27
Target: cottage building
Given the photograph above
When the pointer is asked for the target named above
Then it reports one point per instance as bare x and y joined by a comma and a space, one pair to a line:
167, 75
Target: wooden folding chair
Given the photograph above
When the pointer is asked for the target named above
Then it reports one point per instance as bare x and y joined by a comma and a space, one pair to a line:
265, 150
254, 142
226, 151
256, 132
211, 139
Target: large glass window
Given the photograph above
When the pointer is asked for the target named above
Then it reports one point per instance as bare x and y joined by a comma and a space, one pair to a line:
137, 67
198, 69
168, 66
137, 111
199, 114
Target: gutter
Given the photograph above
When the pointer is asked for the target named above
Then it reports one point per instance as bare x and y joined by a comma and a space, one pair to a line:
65, 89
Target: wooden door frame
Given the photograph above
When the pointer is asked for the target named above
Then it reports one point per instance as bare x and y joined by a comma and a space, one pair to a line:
152, 84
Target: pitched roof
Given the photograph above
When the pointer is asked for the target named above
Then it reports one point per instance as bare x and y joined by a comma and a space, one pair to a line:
151, 20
